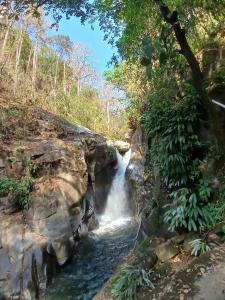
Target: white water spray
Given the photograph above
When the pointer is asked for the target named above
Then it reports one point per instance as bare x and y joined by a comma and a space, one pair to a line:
117, 207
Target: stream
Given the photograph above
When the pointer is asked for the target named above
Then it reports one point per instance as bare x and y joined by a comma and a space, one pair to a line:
100, 252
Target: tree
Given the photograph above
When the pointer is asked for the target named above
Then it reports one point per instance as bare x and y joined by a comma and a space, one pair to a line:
63, 47
82, 63
167, 34
18, 55
36, 30
57, 8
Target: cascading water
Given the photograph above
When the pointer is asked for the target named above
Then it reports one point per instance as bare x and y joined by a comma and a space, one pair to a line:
117, 207
101, 251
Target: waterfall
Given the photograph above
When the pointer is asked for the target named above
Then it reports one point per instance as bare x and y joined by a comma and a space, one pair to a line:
102, 250
117, 203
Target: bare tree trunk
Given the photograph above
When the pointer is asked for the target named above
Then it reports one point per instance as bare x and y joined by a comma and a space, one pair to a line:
34, 70
78, 87
64, 77
69, 90
29, 60
2, 54
56, 74
9, 22
108, 116
18, 53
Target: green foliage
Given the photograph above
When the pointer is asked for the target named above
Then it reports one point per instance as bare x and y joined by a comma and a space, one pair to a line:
131, 279
88, 112
171, 123
171, 126
128, 22
218, 78
190, 208
19, 190
170, 108
79, 8
200, 246
219, 206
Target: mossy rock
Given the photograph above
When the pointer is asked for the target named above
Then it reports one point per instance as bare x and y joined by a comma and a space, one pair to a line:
145, 256
166, 251
191, 236
151, 223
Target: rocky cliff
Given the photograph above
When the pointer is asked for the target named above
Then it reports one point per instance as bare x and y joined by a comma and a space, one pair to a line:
63, 161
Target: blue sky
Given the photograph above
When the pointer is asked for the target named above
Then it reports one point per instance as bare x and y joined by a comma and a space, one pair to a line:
92, 38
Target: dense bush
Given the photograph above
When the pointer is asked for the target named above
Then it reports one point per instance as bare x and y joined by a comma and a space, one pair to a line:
190, 208
172, 123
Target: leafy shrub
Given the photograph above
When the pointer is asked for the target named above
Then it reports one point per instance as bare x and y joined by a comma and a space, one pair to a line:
199, 246
171, 127
190, 208
19, 190
219, 207
172, 124
127, 285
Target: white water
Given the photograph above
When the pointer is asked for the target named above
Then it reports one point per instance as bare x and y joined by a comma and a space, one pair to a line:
117, 208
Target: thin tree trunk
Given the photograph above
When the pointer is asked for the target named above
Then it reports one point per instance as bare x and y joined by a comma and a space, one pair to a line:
29, 60
108, 116
69, 89
55, 78
64, 77
78, 87
34, 70
2, 54
9, 23
18, 53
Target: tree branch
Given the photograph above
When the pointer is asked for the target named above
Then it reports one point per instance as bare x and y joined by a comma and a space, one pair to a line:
172, 19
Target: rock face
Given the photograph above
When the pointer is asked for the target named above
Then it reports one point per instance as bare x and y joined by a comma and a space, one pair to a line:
35, 242
138, 185
122, 147
147, 195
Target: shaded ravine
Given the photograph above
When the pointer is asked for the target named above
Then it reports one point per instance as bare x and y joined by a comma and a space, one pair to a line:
99, 252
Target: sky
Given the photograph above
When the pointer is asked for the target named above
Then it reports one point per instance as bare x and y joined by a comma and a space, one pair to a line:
94, 39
